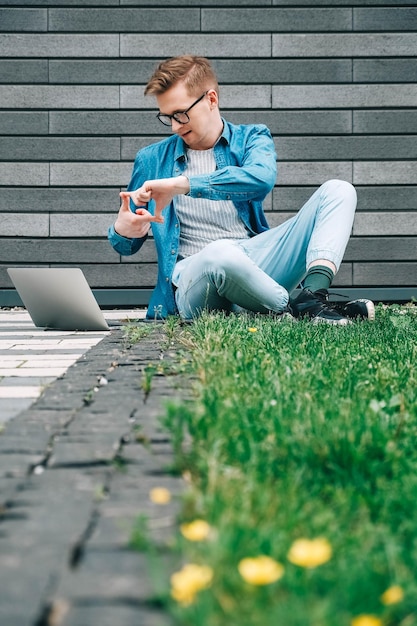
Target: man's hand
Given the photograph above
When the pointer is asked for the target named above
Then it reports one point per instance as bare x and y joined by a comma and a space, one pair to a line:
162, 191
129, 224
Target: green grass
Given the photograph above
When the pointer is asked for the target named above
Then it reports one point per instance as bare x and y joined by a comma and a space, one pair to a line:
134, 332
301, 431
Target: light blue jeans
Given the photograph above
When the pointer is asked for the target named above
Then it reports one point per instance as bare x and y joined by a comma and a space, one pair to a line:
258, 274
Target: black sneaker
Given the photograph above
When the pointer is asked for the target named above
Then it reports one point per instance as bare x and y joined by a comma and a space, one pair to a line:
315, 306
357, 309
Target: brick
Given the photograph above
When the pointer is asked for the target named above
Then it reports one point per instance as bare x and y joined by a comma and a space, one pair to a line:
131, 145
23, 71
334, 96
378, 121
89, 71
340, 3
78, 3
345, 147
344, 45
6, 361
106, 612
59, 148
50, 199
14, 226
385, 173
369, 249
107, 574
385, 70
154, 45
122, 20
17, 465
23, 20
290, 198
276, 219
276, 20
23, 123
134, 98
121, 274
396, 223
55, 363
344, 276
147, 253
62, 96
105, 123
64, 45
56, 250
258, 96
267, 203
283, 71
68, 454
84, 174
385, 198
168, 3
297, 122
239, 96
109, 614
381, 274
385, 19
79, 225
316, 173
25, 174
47, 372
10, 408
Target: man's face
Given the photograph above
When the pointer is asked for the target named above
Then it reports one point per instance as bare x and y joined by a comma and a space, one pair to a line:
202, 131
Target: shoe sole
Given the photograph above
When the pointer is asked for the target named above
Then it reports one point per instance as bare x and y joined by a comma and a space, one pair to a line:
321, 320
370, 307
367, 312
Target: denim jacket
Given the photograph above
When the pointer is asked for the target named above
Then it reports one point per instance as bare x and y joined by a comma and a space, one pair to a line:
245, 173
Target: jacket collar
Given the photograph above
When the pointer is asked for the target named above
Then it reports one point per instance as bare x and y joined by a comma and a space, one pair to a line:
181, 146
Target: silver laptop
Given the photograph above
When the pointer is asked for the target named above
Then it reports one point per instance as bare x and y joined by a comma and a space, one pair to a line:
58, 298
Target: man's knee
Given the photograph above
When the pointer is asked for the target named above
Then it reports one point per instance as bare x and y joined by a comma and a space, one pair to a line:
341, 188
222, 256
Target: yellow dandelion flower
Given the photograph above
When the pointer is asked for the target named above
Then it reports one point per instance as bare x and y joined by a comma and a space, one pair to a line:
366, 620
160, 495
198, 530
252, 329
392, 595
188, 581
310, 552
260, 570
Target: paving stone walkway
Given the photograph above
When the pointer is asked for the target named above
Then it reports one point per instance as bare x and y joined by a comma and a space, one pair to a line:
74, 477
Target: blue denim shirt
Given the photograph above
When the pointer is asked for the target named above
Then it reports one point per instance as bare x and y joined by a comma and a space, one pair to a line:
245, 173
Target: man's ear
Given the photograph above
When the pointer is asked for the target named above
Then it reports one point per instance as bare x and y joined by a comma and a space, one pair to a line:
213, 97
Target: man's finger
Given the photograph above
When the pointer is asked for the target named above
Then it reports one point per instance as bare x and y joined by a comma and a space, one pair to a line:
125, 196
160, 206
157, 218
140, 197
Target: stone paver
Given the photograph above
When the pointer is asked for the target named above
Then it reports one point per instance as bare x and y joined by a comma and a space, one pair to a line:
74, 478
47, 353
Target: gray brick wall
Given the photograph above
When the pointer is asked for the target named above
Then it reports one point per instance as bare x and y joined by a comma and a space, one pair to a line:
335, 80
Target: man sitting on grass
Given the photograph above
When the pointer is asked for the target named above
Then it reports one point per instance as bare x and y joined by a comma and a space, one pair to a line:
215, 248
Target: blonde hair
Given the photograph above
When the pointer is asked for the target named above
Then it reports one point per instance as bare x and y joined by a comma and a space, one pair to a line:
196, 73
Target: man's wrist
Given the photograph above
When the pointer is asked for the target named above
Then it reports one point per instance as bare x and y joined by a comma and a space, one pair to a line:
118, 233
184, 184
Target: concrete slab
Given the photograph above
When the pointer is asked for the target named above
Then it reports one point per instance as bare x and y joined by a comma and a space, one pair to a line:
19, 392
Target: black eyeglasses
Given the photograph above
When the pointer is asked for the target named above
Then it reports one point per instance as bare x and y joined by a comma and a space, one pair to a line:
180, 116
